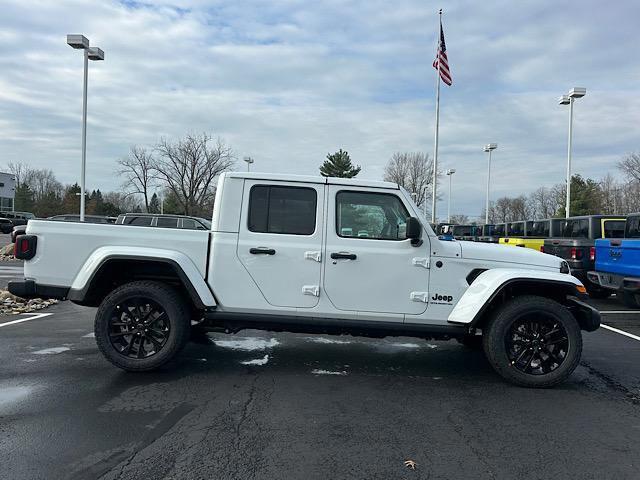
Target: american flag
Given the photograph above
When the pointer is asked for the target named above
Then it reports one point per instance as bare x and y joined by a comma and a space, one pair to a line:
441, 63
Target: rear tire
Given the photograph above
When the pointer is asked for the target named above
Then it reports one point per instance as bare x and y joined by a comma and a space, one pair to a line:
533, 342
631, 300
142, 325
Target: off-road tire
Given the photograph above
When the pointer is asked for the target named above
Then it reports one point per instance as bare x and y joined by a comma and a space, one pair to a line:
496, 331
630, 299
176, 311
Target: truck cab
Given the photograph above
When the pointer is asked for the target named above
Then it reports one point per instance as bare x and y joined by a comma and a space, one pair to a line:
314, 255
576, 244
617, 266
535, 232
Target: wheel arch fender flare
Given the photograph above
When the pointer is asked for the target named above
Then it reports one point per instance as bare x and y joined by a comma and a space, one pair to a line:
183, 266
487, 287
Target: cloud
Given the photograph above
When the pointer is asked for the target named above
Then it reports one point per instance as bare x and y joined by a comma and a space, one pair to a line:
288, 81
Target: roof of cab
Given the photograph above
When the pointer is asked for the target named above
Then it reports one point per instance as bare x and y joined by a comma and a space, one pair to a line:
286, 177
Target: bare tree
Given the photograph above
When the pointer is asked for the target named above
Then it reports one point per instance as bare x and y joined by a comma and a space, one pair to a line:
138, 171
460, 219
189, 168
122, 201
414, 172
21, 172
630, 165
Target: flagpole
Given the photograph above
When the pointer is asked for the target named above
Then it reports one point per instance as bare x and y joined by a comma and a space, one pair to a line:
435, 147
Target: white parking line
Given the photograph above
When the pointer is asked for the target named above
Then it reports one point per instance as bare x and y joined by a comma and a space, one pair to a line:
621, 332
26, 319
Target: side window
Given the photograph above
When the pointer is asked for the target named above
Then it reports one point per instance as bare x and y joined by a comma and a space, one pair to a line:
167, 222
614, 228
189, 224
138, 221
378, 216
284, 210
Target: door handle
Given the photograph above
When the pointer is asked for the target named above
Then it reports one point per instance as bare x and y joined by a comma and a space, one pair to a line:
348, 256
262, 251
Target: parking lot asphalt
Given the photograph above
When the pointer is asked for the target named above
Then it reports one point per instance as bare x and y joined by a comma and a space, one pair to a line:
266, 406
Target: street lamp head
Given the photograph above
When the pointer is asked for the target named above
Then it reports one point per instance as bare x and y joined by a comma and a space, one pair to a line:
564, 100
95, 53
451, 171
577, 92
77, 41
249, 160
490, 146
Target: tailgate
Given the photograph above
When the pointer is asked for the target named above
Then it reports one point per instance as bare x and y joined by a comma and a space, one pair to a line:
620, 256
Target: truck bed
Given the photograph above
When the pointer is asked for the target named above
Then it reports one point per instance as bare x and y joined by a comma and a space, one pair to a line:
64, 248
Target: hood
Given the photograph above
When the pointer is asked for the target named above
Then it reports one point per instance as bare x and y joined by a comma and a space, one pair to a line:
493, 252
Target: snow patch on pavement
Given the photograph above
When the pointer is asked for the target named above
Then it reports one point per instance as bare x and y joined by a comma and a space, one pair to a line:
405, 345
328, 340
317, 371
89, 335
51, 351
248, 344
257, 361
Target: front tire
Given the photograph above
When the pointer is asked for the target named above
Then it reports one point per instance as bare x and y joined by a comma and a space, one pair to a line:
533, 342
142, 325
630, 299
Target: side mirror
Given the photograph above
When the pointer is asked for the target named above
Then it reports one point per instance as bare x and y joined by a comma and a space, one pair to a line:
414, 231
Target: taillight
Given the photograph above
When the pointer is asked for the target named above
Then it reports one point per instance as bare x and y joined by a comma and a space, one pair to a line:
592, 254
576, 253
25, 247
542, 248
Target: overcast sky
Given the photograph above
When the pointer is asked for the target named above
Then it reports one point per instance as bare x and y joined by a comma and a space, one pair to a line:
288, 81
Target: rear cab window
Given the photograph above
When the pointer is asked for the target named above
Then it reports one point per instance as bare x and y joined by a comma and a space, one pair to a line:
538, 229
167, 222
138, 221
282, 210
613, 228
633, 227
375, 216
578, 228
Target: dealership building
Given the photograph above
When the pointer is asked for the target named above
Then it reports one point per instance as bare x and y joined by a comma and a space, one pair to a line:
7, 191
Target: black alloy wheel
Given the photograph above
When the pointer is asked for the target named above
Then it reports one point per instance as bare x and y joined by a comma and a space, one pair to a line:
536, 344
138, 327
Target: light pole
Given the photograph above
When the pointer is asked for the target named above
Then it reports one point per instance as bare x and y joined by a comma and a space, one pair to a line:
249, 161
90, 53
576, 92
488, 148
449, 173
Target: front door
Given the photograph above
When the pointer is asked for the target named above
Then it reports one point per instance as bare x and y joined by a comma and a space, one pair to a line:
280, 240
370, 265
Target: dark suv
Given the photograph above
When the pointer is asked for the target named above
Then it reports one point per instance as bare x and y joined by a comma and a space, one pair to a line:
163, 221
576, 244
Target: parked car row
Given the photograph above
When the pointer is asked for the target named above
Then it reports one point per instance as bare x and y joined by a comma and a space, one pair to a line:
573, 239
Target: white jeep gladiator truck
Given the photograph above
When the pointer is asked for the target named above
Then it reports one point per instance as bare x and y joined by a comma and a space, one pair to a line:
313, 255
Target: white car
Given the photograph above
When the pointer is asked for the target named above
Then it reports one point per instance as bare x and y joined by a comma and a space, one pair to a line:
281, 256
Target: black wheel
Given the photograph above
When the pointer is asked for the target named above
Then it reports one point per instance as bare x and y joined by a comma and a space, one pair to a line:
142, 325
598, 292
474, 342
631, 300
533, 342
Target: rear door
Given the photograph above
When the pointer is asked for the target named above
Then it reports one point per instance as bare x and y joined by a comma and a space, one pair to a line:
370, 265
280, 240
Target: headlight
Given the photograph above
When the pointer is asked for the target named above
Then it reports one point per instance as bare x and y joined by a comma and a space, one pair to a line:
564, 268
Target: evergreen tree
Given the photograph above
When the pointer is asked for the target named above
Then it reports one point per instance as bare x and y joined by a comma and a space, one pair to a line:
339, 165
23, 201
71, 200
172, 204
154, 204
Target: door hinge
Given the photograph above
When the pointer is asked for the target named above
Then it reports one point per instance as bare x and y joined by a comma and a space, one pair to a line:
313, 255
421, 262
419, 297
313, 290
